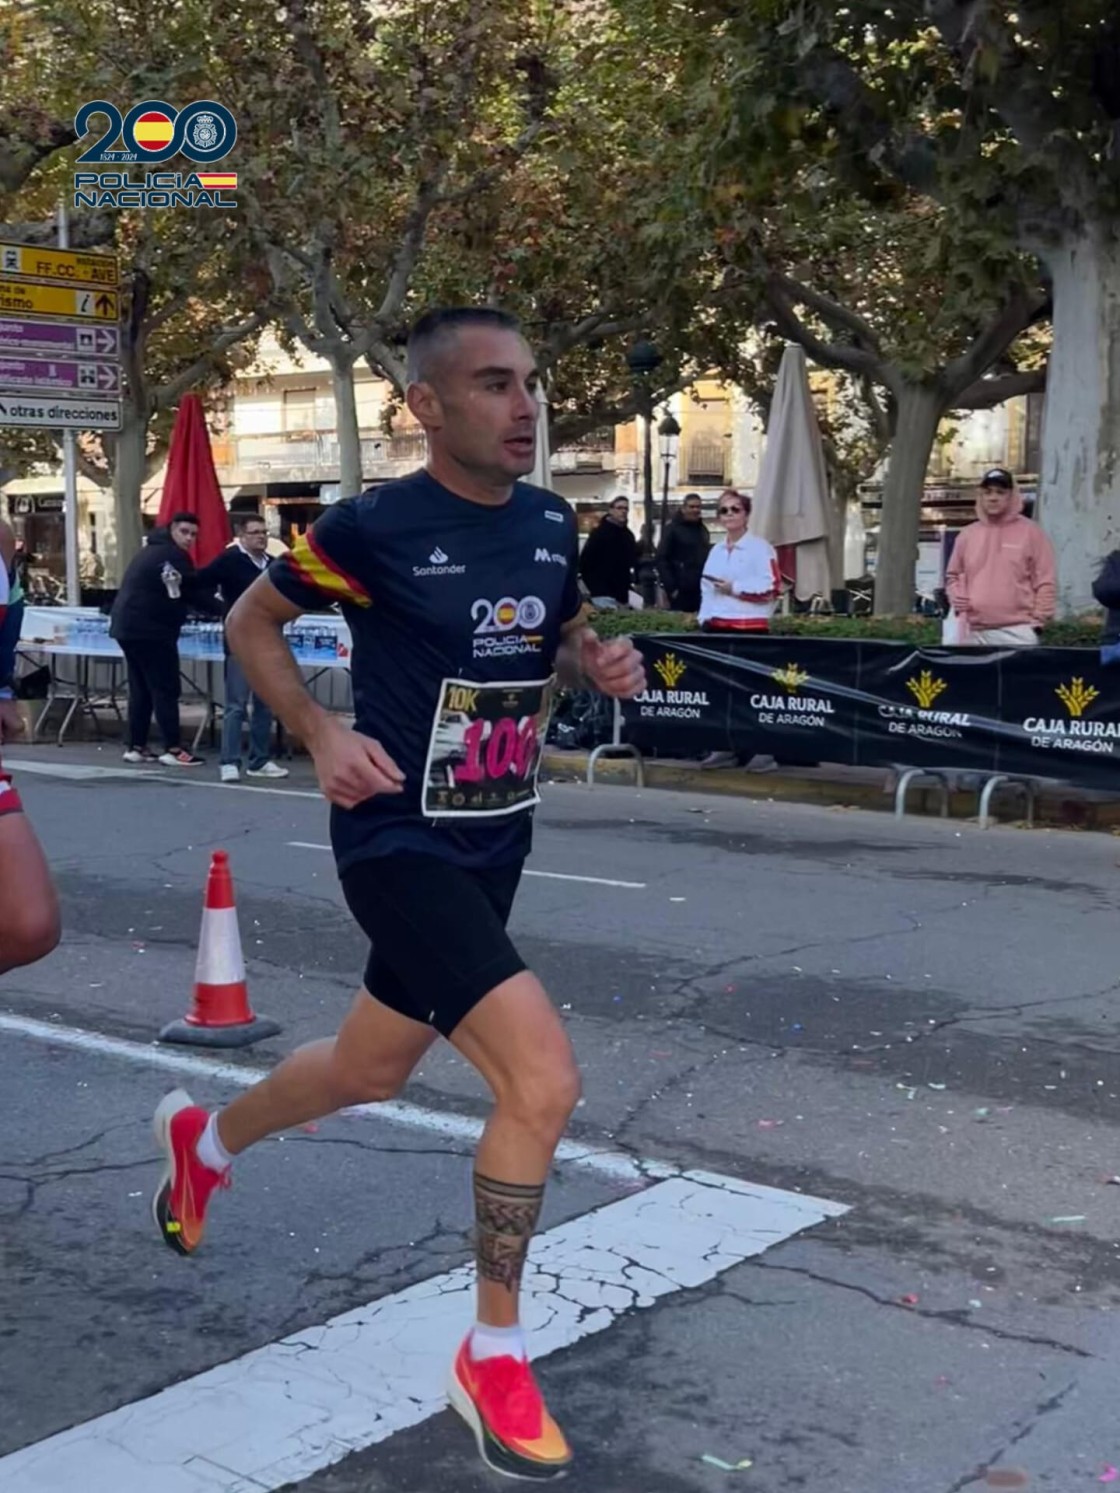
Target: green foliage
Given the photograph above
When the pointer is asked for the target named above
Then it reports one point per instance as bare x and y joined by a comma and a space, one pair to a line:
924, 632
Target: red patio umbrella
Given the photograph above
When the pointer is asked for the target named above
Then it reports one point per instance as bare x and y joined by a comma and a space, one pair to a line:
191, 483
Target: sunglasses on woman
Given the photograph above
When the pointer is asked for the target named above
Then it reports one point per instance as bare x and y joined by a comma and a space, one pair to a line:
725, 512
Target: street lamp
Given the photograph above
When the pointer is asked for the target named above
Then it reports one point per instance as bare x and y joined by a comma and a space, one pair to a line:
669, 433
643, 360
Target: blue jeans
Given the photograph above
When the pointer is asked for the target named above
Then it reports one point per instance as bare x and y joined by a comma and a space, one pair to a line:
238, 695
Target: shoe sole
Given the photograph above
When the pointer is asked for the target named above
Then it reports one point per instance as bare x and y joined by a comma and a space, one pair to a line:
462, 1403
166, 1111
276, 776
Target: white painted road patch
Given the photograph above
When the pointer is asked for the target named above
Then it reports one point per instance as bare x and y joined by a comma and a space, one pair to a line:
635, 886
286, 1411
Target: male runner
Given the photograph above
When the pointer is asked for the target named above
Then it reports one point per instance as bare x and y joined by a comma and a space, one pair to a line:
459, 585
29, 919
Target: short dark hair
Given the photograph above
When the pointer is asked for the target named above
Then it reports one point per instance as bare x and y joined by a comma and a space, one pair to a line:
688, 497
436, 328
184, 518
619, 497
243, 520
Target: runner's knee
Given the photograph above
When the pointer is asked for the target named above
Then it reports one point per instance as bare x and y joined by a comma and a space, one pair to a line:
29, 933
358, 1083
542, 1097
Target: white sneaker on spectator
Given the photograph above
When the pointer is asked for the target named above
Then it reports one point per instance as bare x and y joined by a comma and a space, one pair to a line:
268, 770
230, 772
180, 757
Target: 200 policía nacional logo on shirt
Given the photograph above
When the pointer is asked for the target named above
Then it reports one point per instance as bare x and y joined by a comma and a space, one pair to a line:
484, 754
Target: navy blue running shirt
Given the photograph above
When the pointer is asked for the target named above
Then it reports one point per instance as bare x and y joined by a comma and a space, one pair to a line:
456, 610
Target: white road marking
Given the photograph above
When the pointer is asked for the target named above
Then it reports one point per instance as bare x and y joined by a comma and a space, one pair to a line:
612, 1164
78, 773
635, 886
286, 1411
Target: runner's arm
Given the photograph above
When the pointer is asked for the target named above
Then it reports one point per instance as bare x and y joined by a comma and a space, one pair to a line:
584, 661
255, 629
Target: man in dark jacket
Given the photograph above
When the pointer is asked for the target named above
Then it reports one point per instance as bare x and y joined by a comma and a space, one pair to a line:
1106, 589
232, 573
681, 555
606, 565
159, 588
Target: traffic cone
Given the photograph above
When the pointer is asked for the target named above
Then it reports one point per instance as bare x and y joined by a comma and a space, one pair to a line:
220, 1015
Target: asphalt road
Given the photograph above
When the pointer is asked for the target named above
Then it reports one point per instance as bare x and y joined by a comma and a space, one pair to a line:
917, 1022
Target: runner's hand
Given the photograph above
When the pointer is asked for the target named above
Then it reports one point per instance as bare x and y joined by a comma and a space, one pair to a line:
615, 668
11, 721
352, 767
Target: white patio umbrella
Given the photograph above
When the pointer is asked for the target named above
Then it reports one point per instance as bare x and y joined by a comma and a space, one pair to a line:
791, 501
541, 475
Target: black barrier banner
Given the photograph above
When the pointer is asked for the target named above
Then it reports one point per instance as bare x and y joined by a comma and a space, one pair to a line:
1045, 712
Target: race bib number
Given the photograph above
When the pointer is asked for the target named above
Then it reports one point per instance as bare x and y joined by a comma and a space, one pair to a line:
484, 755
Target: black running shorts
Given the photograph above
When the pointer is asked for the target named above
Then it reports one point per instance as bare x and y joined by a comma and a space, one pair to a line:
437, 930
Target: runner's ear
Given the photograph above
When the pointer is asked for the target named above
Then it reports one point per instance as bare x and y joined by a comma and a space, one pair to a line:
424, 403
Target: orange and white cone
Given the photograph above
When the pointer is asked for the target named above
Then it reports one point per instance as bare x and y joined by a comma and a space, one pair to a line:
220, 1015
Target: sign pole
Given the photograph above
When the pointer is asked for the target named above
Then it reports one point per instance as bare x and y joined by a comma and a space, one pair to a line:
70, 464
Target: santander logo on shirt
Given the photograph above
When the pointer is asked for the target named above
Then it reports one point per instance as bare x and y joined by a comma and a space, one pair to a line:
439, 563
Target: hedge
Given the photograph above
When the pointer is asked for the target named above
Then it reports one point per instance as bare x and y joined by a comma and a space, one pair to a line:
1073, 632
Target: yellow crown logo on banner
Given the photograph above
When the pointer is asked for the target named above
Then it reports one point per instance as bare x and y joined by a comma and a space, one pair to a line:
670, 669
1077, 696
926, 688
791, 676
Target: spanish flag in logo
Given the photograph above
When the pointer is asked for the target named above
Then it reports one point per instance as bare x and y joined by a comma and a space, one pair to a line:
154, 130
217, 181
312, 565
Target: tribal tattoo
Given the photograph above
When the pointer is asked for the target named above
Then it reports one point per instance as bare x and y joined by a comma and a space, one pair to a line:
506, 1215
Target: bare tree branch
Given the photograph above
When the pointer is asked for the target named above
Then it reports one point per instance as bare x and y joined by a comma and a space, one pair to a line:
835, 314
986, 393
172, 391
1023, 309
856, 360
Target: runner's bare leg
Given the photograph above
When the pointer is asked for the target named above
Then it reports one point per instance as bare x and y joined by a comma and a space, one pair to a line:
516, 1040
370, 1059
30, 925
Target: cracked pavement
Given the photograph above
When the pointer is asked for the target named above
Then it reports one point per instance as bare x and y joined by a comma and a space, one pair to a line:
919, 1021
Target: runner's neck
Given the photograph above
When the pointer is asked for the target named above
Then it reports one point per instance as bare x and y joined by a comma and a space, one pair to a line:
462, 484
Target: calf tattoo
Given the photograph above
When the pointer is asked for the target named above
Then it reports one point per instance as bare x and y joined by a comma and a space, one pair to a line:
506, 1214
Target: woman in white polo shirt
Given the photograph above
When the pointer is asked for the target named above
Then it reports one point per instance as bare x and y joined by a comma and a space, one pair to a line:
741, 580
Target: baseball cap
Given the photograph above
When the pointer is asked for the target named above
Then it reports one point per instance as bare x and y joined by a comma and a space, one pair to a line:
997, 477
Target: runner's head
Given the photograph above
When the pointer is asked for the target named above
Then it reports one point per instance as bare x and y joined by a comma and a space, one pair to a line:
472, 382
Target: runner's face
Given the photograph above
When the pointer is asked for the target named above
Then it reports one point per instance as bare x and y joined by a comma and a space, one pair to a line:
484, 415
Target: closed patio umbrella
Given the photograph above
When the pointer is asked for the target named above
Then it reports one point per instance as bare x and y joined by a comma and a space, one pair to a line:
191, 483
791, 506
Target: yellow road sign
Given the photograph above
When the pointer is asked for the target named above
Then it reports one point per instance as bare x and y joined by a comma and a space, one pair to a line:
18, 297
64, 266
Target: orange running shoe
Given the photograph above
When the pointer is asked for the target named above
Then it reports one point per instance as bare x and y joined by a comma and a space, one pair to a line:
179, 1206
499, 1399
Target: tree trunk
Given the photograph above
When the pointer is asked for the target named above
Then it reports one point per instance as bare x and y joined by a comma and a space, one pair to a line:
1079, 498
349, 441
919, 413
129, 467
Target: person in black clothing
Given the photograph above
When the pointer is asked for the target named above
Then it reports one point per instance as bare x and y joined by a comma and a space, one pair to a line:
681, 555
1106, 589
606, 565
232, 573
159, 588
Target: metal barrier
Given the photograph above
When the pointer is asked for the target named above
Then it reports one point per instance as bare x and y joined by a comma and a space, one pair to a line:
616, 747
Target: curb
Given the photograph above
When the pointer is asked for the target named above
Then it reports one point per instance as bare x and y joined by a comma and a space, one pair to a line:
1057, 807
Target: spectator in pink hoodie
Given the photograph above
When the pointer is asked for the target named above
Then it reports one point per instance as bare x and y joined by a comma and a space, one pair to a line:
1002, 580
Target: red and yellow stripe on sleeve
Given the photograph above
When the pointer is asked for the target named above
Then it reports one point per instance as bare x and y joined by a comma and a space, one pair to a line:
315, 567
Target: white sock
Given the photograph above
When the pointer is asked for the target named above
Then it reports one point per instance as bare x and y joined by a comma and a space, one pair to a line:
497, 1342
211, 1152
